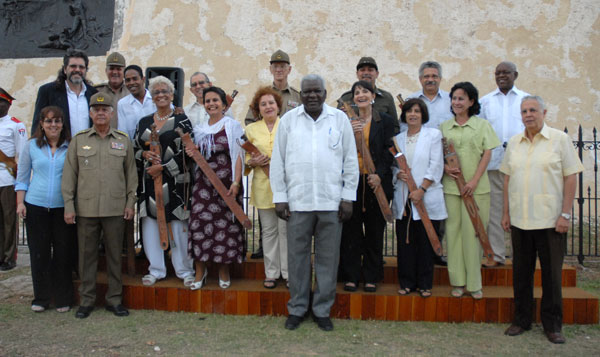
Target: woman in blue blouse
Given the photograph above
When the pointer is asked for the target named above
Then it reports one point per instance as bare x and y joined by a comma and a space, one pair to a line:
40, 201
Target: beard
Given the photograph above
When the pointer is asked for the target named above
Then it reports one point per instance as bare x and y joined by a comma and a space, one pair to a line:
76, 80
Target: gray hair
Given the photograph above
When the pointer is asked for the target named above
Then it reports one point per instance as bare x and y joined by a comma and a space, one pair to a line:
197, 73
154, 81
430, 64
512, 66
537, 98
312, 77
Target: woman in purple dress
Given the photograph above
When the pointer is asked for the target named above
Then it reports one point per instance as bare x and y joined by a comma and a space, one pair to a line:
215, 235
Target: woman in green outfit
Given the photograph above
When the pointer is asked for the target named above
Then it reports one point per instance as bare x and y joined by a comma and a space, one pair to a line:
473, 139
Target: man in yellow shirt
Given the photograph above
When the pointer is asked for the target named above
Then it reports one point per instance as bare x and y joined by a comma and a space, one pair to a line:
541, 169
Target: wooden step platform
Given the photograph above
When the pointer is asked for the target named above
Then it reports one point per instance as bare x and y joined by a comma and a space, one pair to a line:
249, 297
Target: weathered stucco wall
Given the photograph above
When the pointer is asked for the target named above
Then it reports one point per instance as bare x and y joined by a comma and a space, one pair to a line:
555, 44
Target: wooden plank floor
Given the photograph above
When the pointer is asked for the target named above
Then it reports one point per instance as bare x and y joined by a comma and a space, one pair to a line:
249, 297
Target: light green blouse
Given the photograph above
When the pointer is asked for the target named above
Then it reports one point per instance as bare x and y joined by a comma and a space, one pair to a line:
470, 141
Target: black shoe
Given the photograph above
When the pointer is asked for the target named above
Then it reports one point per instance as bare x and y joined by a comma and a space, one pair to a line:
258, 254
350, 286
6, 266
293, 322
84, 311
324, 323
443, 261
370, 287
555, 337
118, 310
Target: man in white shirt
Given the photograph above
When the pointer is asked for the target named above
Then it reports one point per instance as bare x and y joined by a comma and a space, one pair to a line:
70, 92
437, 100
195, 111
502, 108
314, 176
137, 104
13, 138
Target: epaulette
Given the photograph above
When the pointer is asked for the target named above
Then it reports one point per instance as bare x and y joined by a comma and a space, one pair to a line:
83, 131
15, 119
121, 132
98, 86
294, 89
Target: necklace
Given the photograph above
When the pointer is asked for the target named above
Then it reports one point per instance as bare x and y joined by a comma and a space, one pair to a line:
159, 118
412, 139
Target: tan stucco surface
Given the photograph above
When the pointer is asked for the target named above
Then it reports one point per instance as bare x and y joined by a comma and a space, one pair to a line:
555, 44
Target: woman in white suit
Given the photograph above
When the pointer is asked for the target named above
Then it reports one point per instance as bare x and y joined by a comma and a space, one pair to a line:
423, 149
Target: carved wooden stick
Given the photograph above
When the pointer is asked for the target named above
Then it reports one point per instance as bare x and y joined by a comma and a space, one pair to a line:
420, 206
249, 147
237, 210
161, 218
452, 160
361, 146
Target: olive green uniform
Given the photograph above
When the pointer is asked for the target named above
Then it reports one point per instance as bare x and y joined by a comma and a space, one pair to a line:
384, 103
290, 99
122, 92
99, 182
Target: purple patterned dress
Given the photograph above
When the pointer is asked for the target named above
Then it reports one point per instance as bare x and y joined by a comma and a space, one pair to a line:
215, 235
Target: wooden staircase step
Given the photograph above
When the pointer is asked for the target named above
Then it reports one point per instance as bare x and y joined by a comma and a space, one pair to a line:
249, 297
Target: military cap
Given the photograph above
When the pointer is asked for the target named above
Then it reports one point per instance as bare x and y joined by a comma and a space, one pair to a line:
5, 96
115, 59
366, 61
101, 99
280, 56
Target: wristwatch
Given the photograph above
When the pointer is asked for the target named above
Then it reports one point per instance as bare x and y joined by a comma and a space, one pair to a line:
423, 188
566, 216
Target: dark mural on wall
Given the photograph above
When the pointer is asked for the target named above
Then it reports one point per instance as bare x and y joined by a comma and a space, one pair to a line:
47, 28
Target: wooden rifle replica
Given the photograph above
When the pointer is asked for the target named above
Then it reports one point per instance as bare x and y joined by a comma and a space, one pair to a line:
452, 161
10, 163
400, 99
361, 146
230, 98
420, 206
237, 210
249, 147
161, 217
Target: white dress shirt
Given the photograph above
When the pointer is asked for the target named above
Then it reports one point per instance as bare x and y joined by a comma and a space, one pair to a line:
79, 111
438, 108
504, 113
198, 115
314, 164
131, 111
13, 138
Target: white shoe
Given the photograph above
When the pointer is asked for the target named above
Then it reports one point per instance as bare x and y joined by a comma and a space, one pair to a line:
37, 308
188, 280
224, 284
199, 284
149, 280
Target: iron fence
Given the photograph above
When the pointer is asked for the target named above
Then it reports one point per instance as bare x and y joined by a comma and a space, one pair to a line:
582, 236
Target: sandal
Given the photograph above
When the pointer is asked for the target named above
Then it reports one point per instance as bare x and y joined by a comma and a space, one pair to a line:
149, 280
37, 308
477, 295
270, 283
63, 309
370, 287
425, 293
189, 280
350, 286
457, 292
404, 291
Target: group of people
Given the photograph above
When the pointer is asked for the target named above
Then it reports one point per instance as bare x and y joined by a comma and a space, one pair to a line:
315, 173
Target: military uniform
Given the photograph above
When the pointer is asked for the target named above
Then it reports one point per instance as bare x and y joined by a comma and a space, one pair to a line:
384, 103
290, 99
99, 182
122, 92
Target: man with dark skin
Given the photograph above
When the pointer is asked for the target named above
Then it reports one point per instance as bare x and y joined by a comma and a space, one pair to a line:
501, 108
314, 176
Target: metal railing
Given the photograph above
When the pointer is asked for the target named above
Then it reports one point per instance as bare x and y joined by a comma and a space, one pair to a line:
582, 239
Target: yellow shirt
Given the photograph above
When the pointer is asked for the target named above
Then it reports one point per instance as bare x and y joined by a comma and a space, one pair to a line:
537, 169
470, 141
258, 134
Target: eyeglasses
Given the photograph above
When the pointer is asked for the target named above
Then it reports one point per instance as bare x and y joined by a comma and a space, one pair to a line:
53, 120
199, 83
161, 91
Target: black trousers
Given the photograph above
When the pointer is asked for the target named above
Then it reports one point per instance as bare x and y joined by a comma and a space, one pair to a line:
550, 248
362, 248
416, 257
50, 242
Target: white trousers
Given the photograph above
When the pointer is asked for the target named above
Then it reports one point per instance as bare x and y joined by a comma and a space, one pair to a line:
274, 240
494, 228
182, 263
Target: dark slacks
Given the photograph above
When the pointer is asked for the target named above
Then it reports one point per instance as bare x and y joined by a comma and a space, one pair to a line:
550, 248
50, 242
88, 235
416, 257
8, 224
361, 248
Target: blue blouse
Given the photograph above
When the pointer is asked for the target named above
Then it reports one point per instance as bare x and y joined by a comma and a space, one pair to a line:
43, 189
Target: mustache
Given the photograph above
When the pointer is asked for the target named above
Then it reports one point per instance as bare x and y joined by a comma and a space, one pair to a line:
430, 82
